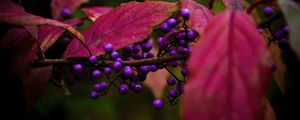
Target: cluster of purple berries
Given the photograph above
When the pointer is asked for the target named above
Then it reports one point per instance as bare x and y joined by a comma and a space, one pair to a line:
278, 36
175, 41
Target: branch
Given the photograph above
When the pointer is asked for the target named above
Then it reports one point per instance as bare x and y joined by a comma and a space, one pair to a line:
267, 21
211, 4
149, 61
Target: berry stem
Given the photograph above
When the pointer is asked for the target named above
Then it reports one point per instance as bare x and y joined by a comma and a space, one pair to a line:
148, 61
254, 5
173, 75
264, 23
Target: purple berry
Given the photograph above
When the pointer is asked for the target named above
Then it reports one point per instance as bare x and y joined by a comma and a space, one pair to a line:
146, 47
268, 11
283, 43
172, 93
94, 95
117, 65
96, 73
171, 81
191, 34
123, 89
114, 55
171, 22
107, 70
185, 13
65, 12
108, 48
183, 43
158, 103
144, 69
93, 59
100, 86
286, 29
77, 68
159, 40
150, 55
136, 49
165, 28
181, 50
128, 49
127, 71
172, 52
180, 35
137, 88
278, 34
153, 68
184, 72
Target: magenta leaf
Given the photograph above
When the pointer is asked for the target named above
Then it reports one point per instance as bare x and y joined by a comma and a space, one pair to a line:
20, 43
128, 23
58, 6
34, 81
200, 15
11, 13
229, 69
94, 12
49, 34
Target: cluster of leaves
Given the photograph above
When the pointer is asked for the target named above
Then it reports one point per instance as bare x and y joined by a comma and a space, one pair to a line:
229, 66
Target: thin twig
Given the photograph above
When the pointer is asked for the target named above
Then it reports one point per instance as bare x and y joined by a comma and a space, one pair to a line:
149, 61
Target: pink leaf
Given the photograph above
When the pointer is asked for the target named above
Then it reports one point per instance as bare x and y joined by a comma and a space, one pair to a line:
200, 15
234, 4
128, 23
21, 45
94, 12
11, 13
157, 81
229, 69
57, 6
34, 81
49, 34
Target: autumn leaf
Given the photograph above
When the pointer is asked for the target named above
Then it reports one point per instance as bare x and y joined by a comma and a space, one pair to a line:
57, 6
200, 15
34, 81
131, 22
94, 12
49, 34
291, 11
11, 13
229, 69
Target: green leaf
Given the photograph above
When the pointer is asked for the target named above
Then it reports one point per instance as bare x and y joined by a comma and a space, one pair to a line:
291, 11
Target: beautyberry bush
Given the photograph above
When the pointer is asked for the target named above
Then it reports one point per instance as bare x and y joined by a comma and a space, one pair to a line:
215, 60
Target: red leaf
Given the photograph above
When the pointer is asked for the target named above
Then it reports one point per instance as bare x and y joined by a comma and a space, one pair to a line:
11, 13
94, 12
21, 45
48, 34
229, 69
234, 4
200, 15
57, 6
34, 81
131, 22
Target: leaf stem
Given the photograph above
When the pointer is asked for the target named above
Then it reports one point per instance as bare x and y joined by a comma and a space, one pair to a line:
148, 61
